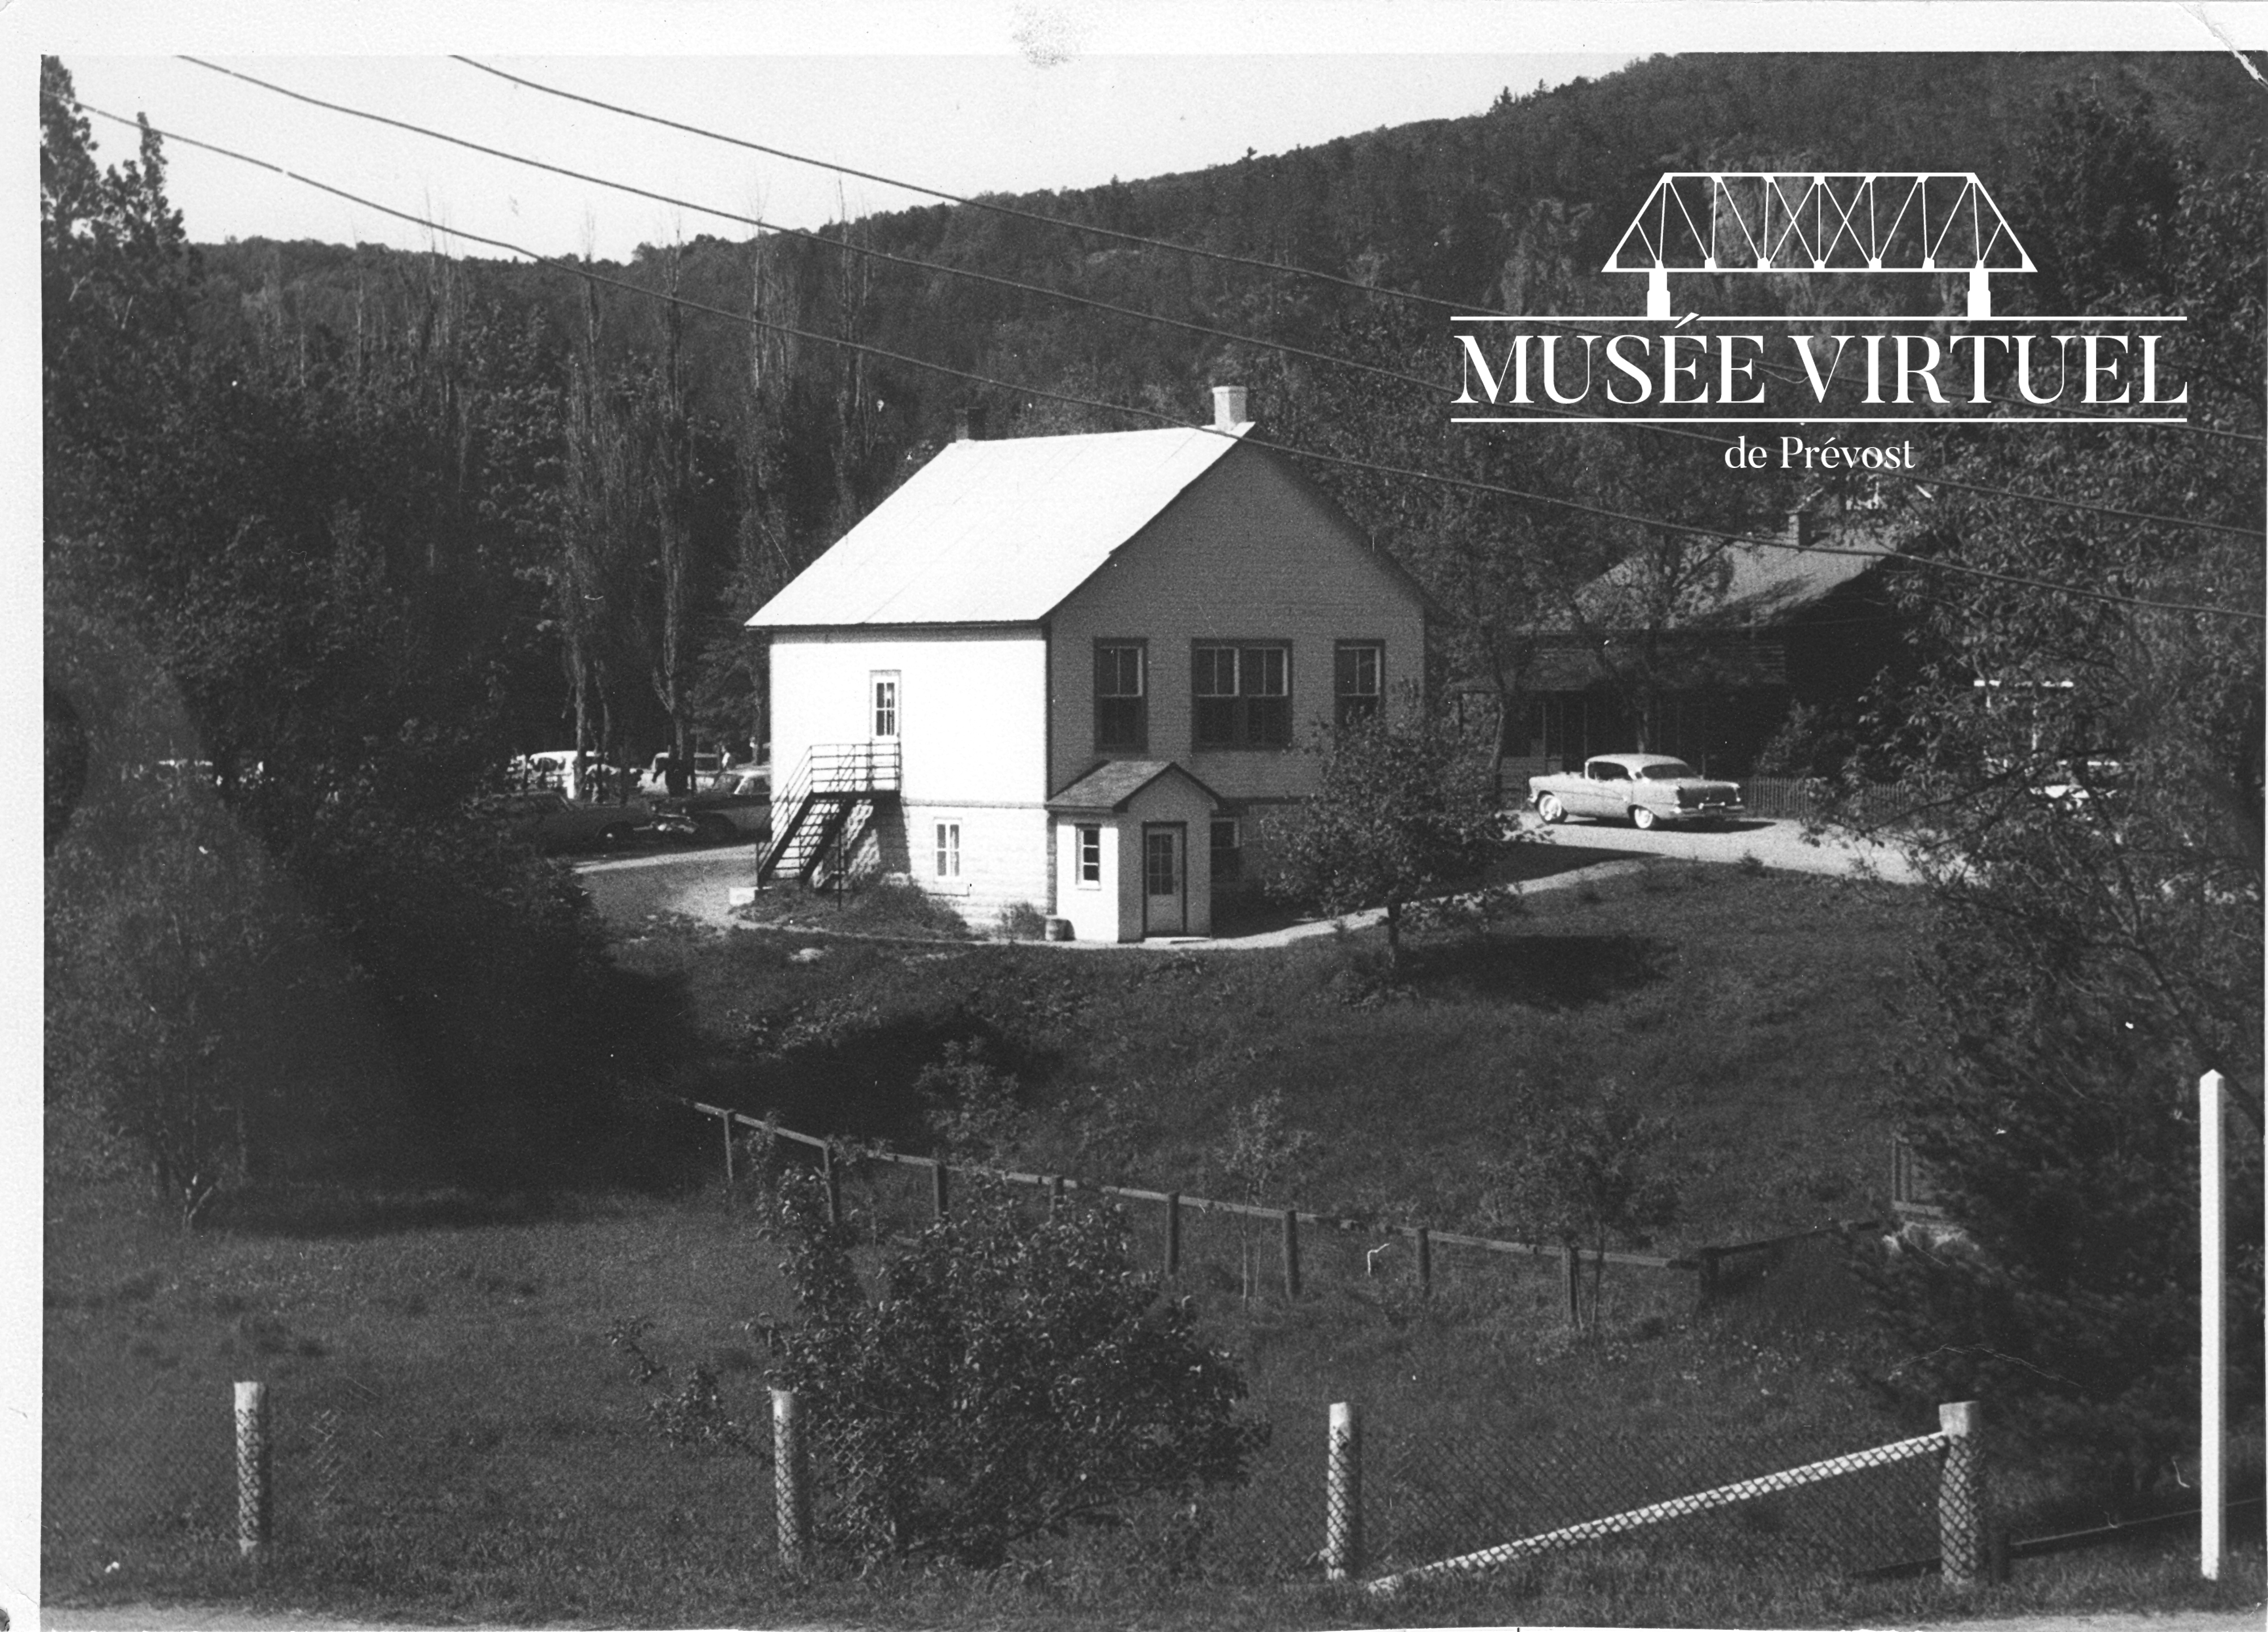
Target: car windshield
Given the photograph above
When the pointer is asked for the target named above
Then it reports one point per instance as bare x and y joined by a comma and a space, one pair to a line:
1667, 770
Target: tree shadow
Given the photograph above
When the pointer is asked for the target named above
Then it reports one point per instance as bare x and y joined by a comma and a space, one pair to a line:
1539, 971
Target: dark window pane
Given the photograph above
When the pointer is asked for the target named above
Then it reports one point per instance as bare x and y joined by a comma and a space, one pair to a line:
1270, 722
1216, 721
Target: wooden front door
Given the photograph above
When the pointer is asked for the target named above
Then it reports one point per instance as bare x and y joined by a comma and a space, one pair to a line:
1165, 879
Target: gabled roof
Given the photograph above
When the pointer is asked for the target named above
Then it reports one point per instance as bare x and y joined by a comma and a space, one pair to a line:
1112, 786
1752, 584
998, 532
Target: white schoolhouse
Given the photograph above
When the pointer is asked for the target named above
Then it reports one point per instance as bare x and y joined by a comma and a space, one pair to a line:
1065, 671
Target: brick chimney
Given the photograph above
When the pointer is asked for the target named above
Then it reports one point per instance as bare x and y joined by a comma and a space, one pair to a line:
1228, 407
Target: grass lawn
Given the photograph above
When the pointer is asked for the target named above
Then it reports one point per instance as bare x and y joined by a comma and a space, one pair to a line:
1762, 1013
457, 1438
459, 1435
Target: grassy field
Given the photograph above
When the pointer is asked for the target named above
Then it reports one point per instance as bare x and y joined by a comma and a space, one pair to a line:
459, 1435
1760, 1012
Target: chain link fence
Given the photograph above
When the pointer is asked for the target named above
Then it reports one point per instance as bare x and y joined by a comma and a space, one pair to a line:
667, 1489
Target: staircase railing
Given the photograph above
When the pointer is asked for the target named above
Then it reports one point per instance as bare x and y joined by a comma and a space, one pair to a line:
832, 779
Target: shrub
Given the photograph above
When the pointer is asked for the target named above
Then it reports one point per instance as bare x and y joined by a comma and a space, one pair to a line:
1018, 1376
1020, 921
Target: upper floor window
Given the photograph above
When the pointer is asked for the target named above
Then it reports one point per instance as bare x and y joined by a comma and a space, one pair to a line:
1244, 695
1356, 686
885, 702
1122, 718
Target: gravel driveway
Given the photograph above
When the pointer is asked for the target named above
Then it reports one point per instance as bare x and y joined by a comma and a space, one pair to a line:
1779, 844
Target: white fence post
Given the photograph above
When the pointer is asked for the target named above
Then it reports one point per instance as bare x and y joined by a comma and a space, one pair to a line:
2213, 1329
1961, 1494
790, 1480
1342, 1495
253, 1496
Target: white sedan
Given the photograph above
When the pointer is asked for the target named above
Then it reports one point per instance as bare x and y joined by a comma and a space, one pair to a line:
1643, 788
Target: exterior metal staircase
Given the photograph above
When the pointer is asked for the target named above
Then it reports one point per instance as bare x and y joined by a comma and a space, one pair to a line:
826, 806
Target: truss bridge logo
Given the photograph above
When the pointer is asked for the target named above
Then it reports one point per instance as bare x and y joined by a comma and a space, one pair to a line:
1711, 230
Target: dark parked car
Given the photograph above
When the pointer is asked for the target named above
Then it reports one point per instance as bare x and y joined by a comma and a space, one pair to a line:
738, 808
558, 823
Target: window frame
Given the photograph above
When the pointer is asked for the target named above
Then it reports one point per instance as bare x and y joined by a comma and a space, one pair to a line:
1249, 728
1138, 740
1087, 855
878, 713
1347, 707
948, 850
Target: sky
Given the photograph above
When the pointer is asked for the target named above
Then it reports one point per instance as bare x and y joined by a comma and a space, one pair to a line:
964, 98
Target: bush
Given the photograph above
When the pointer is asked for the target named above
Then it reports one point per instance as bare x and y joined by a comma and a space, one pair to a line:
1018, 1376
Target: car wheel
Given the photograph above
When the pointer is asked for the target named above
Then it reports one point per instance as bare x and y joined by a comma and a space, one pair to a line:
1550, 808
1642, 818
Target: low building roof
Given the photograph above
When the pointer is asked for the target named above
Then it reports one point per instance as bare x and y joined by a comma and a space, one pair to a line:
1112, 786
998, 532
1746, 584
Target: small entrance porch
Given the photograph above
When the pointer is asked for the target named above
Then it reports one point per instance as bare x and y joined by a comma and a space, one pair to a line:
1121, 837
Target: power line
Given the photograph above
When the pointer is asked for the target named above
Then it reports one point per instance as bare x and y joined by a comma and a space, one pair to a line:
1374, 467
1013, 211
1329, 359
844, 243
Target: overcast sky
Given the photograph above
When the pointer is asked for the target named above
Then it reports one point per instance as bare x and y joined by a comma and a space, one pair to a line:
963, 97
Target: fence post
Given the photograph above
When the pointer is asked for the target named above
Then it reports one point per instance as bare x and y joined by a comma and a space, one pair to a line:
254, 1498
938, 1184
1055, 1194
1711, 1262
1173, 1233
1961, 1494
1425, 1262
1574, 1286
1342, 1495
2213, 1331
1292, 1254
833, 1181
790, 1480
725, 1120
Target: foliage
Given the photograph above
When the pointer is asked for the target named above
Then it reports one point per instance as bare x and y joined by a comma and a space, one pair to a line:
694, 1413
1406, 810
1265, 1155
973, 1106
2097, 853
1017, 1376
1589, 1176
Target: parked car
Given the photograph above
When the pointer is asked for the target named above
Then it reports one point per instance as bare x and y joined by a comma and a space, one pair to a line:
707, 768
556, 822
737, 807
555, 768
1642, 788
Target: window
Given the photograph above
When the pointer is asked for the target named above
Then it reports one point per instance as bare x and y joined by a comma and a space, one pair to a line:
1243, 696
885, 702
1121, 707
1090, 859
1355, 686
1227, 850
949, 850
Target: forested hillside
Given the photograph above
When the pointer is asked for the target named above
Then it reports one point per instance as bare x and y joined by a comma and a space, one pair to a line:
779, 443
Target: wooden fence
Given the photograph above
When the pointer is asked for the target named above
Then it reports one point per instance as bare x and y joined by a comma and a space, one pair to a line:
1711, 1264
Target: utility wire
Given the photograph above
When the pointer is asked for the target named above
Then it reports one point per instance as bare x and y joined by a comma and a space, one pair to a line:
1466, 483
996, 208
1284, 348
